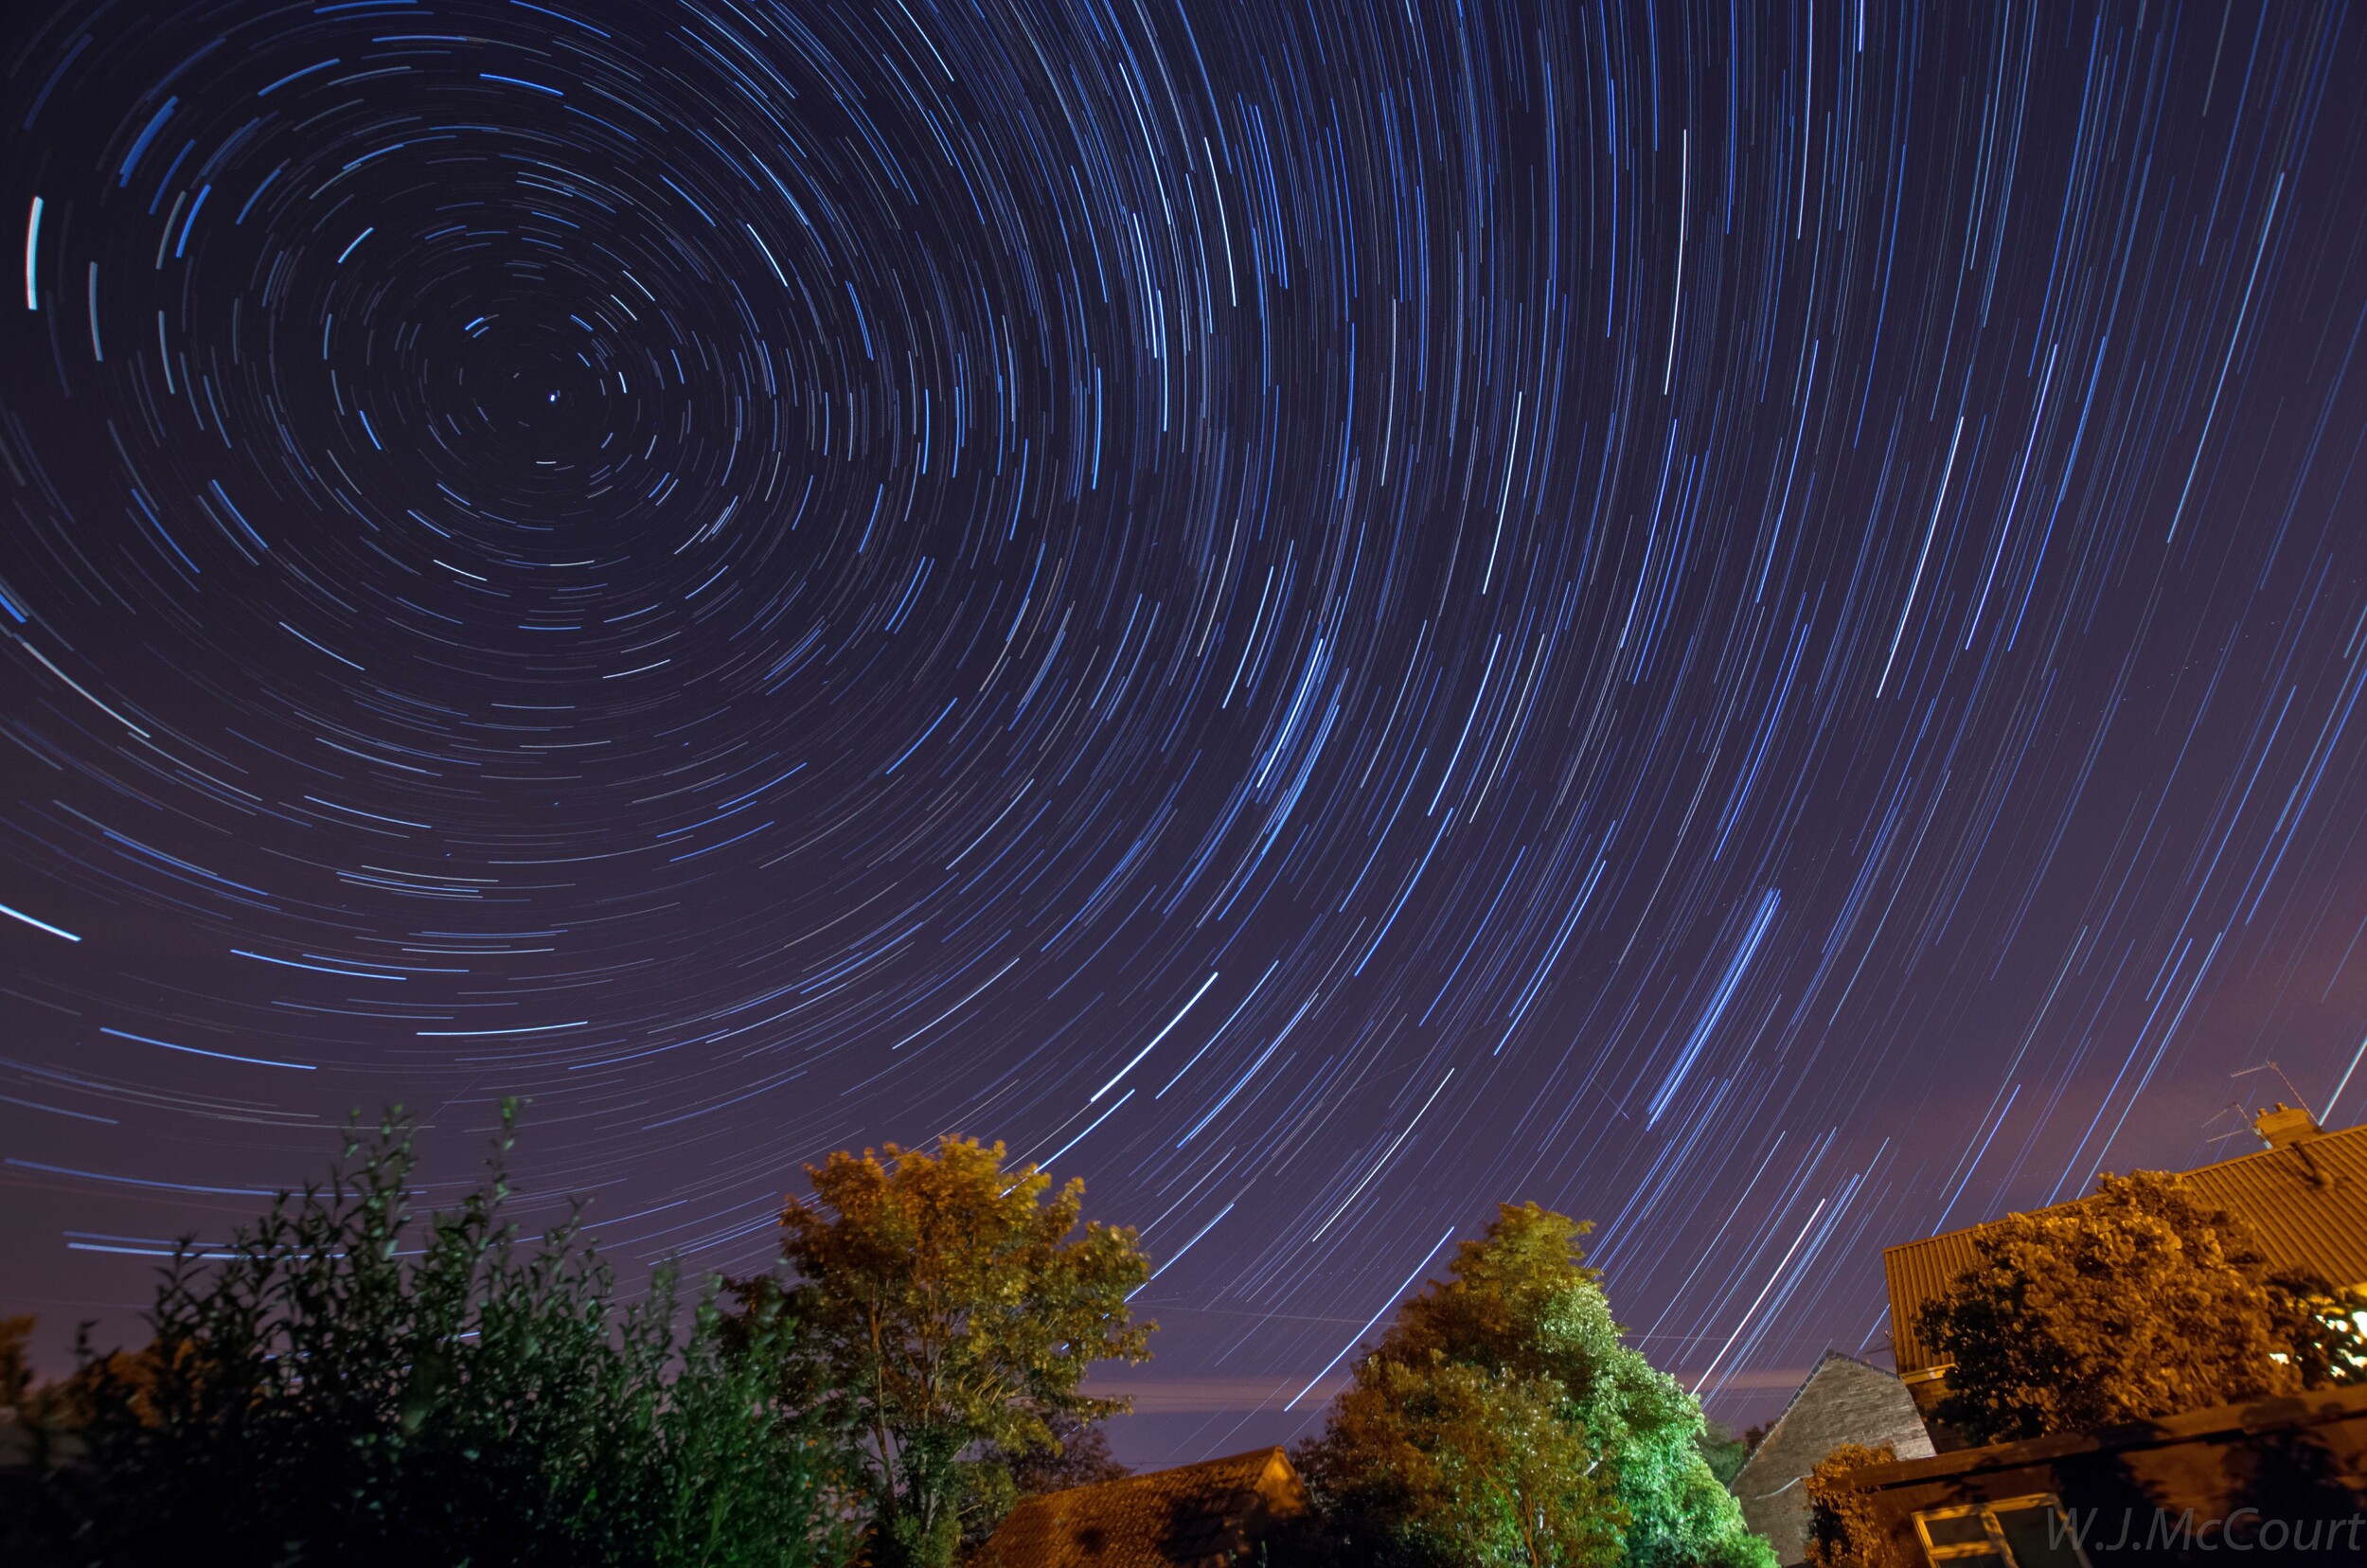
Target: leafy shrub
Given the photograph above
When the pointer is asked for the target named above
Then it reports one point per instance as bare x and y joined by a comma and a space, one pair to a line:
1844, 1528
347, 1381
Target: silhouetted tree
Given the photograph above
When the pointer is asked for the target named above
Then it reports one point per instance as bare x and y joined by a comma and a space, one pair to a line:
1081, 1457
348, 1383
16, 1373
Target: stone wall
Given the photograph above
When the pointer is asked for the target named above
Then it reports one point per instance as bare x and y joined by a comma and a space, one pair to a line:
1843, 1400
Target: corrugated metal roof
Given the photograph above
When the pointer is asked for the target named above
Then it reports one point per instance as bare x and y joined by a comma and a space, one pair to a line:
2307, 1201
1193, 1516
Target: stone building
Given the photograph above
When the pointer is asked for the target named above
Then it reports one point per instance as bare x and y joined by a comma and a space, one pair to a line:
1843, 1400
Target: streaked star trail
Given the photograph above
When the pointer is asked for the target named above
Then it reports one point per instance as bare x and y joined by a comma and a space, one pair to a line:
1743, 621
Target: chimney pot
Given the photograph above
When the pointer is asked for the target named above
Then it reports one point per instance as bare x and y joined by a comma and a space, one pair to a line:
2285, 1126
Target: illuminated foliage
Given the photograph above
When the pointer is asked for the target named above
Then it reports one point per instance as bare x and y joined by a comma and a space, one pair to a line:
1725, 1452
2141, 1302
1844, 1529
1422, 1458
948, 1310
1501, 1420
2324, 1327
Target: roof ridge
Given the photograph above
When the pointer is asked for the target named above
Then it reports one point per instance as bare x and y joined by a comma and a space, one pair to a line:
1814, 1372
2320, 1136
1158, 1519
2291, 1148
1265, 1455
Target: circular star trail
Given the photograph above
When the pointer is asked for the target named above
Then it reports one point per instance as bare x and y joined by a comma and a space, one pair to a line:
1742, 622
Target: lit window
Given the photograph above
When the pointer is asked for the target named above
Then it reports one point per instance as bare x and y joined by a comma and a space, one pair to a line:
2014, 1532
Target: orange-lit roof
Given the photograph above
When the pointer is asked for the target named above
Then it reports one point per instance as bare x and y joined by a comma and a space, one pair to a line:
2307, 1203
1193, 1516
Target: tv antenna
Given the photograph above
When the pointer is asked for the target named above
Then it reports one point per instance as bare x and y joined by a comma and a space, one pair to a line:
2272, 1067
2236, 1108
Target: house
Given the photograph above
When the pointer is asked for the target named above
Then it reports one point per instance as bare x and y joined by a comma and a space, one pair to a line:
1210, 1515
1843, 1400
2305, 1195
2283, 1478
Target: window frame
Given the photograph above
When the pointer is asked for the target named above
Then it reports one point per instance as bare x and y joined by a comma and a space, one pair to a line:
1994, 1547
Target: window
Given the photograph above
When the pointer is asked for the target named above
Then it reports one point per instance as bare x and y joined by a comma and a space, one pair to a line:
2014, 1532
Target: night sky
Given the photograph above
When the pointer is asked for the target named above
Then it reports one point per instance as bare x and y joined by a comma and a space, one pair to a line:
1744, 621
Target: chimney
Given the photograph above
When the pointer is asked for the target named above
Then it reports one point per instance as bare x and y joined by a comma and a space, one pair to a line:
2285, 1126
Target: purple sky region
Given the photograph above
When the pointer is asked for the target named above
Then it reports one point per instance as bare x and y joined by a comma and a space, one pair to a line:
1742, 621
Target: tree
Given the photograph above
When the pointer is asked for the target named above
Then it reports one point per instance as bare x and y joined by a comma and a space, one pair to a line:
16, 1373
345, 1384
1726, 1454
2323, 1328
950, 1312
1501, 1420
1078, 1456
1433, 1461
2141, 1301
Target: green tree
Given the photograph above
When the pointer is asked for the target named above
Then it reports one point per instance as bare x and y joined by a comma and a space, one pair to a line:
1439, 1462
1725, 1452
1501, 1420
348, 1383
948, 1310
2141, 1301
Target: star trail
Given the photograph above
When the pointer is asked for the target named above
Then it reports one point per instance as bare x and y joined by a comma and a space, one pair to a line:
1741, 621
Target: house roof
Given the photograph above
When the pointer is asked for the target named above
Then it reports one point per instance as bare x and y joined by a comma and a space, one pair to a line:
2307, 1203
1193, 1516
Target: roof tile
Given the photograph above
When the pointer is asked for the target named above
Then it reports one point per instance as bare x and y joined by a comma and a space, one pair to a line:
1193, 1516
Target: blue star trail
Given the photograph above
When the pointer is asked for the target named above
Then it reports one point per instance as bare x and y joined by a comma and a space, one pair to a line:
1745, 622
